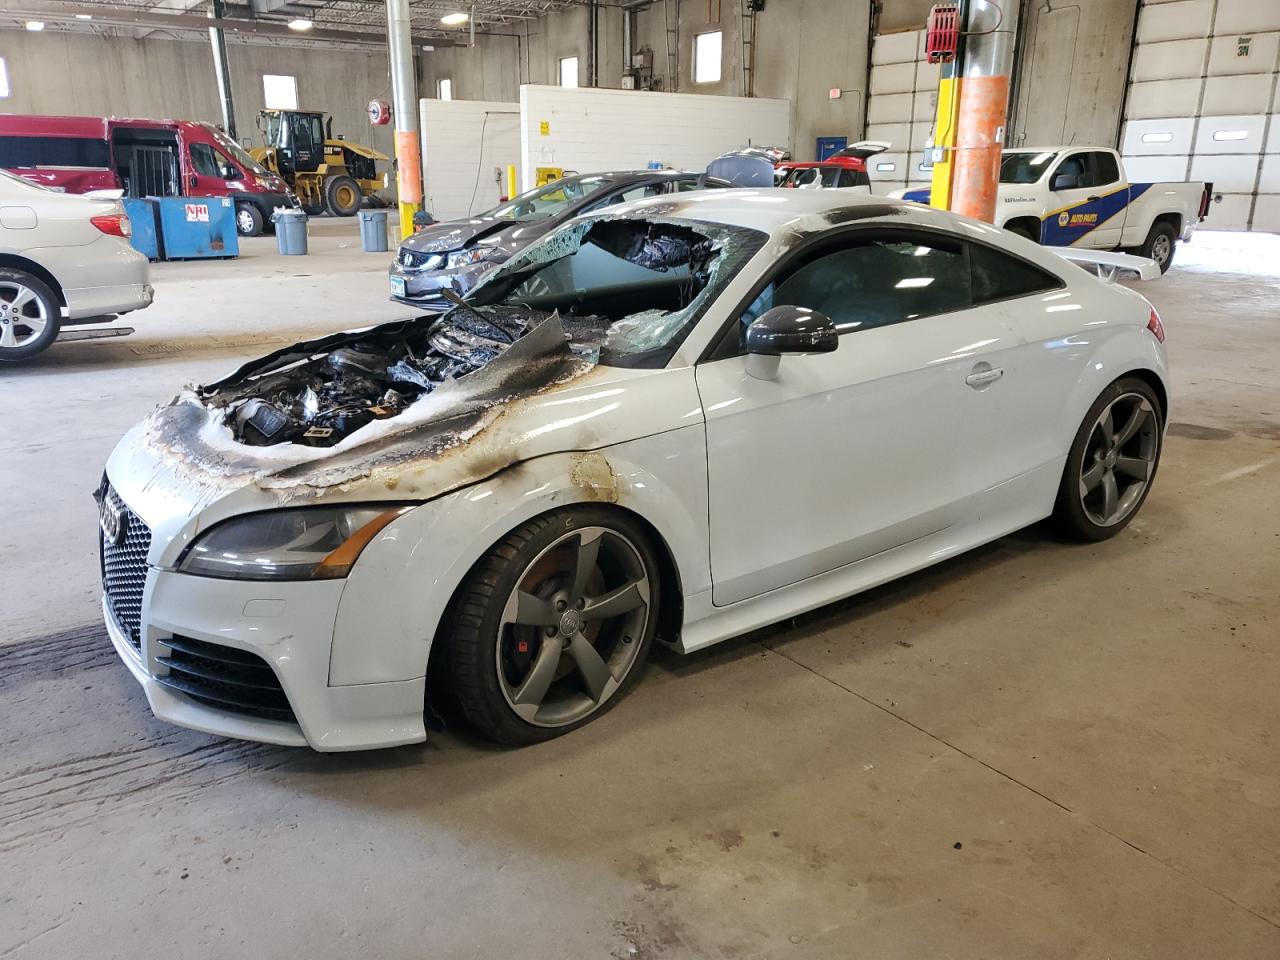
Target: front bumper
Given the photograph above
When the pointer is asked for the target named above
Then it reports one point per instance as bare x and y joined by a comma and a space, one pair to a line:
289, 625
422, 287
267, 202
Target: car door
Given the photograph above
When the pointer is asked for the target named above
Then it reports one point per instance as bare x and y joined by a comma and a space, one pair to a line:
1108, 198
847, 454
208, 171
1069, 221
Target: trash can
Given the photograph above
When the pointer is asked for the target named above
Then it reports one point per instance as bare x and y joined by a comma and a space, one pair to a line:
291, 231
373, 231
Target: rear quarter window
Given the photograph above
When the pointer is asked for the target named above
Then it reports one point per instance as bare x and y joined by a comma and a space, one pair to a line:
17, 152
998, 276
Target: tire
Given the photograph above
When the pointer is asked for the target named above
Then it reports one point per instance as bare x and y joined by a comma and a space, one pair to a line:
249, 220
342, 196
1160, 244
501, 638
1100, 473
1021, 231
33, 324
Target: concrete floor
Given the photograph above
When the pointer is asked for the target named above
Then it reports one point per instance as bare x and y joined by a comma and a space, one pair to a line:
1039, 750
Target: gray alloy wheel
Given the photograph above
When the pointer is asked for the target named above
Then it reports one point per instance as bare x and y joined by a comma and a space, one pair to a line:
23, 317
1161, 247
571, 630
248, 220
30, 315
1119, 459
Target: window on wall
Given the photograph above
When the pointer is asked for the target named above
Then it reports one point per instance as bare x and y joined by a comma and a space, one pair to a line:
280, 92
4, 78
706, 57
444, 89
568, 71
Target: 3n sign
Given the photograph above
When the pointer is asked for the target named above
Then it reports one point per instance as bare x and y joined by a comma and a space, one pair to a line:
197, 213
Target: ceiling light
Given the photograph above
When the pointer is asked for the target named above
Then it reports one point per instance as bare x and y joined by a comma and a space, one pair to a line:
301, 24
35, 25
454, 19
84, 16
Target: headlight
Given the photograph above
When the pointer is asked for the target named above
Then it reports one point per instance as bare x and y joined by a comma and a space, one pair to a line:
307, 543
474, 255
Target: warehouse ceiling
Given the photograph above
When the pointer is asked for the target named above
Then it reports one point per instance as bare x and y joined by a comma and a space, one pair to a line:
267, 21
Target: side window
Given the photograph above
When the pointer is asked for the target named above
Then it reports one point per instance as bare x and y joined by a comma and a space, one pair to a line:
847, 179
1103, 169
204, 161
1074, 166
998, 276
873, 281
638, 193
687, 184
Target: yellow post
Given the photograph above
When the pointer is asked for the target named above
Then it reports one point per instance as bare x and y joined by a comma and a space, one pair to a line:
945, 125
512, 190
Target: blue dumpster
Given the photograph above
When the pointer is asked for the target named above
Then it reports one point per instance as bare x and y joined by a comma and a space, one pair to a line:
193, 228
146, 231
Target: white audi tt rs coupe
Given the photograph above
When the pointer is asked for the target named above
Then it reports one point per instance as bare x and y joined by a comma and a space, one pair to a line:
672, 422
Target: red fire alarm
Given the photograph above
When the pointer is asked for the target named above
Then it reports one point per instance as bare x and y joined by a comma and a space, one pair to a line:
942, 37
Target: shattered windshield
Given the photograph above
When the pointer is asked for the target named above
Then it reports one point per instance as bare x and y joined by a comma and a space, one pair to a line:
626, 289
607, 290
1024, 167
546, 201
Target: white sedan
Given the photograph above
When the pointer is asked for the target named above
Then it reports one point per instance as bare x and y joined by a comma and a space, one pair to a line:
64, 259
677, 421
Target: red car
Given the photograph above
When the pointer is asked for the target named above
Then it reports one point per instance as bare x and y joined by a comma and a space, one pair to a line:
842, 170
144, 158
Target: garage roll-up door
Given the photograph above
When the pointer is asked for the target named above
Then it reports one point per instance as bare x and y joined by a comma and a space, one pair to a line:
1202, 105
900, 109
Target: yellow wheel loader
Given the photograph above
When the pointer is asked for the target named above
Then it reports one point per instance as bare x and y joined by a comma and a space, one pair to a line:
327, 173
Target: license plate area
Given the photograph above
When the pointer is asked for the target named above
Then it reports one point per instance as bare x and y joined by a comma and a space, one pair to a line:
397, 287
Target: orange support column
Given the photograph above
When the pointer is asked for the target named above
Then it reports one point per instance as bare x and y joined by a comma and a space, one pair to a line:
984, 102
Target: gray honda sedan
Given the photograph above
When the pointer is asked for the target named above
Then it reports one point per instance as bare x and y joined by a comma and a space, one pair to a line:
453, 256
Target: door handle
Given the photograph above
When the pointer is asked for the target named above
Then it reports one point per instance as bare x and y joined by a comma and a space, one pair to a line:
1093, 198
981, 378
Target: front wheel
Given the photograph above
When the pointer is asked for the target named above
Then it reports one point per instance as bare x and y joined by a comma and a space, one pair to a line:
553, 625
342, 196
30, 315
1160, 244
248, 220
1112, 462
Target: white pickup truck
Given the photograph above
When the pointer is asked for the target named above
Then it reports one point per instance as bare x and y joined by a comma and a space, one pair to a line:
1080, 197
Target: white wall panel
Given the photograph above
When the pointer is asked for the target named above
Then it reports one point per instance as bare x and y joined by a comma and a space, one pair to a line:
897, 134
1246, 16
1163, 98
920, 133
1266, 213
1225, 59
925, 106
1155, 169
1165, 61
1270, 180
1234, 134
1179, 20
597, 129
890, 108
893, 78
1243, 94
895, 47
462, 141
1273, 138
1231, 214
1235, 174
1154, 137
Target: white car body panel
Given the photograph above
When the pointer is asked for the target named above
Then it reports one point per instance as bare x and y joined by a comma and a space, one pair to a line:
95, 273
700, 451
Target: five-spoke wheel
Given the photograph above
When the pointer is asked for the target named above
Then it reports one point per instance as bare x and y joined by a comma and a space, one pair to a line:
30, 315
553, 624
1112, 461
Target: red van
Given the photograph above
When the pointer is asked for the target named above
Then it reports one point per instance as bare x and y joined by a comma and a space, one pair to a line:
144, 158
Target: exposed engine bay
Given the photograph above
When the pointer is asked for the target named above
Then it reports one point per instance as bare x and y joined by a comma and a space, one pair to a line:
617, 290
321, 400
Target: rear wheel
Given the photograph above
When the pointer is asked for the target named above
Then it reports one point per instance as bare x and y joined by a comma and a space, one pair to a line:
553, 625
248, 220
1112, 461
30, 315
1160, 244
342, 196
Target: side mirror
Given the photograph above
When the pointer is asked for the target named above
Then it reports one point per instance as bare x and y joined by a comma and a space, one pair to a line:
787, 329
1064, 181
